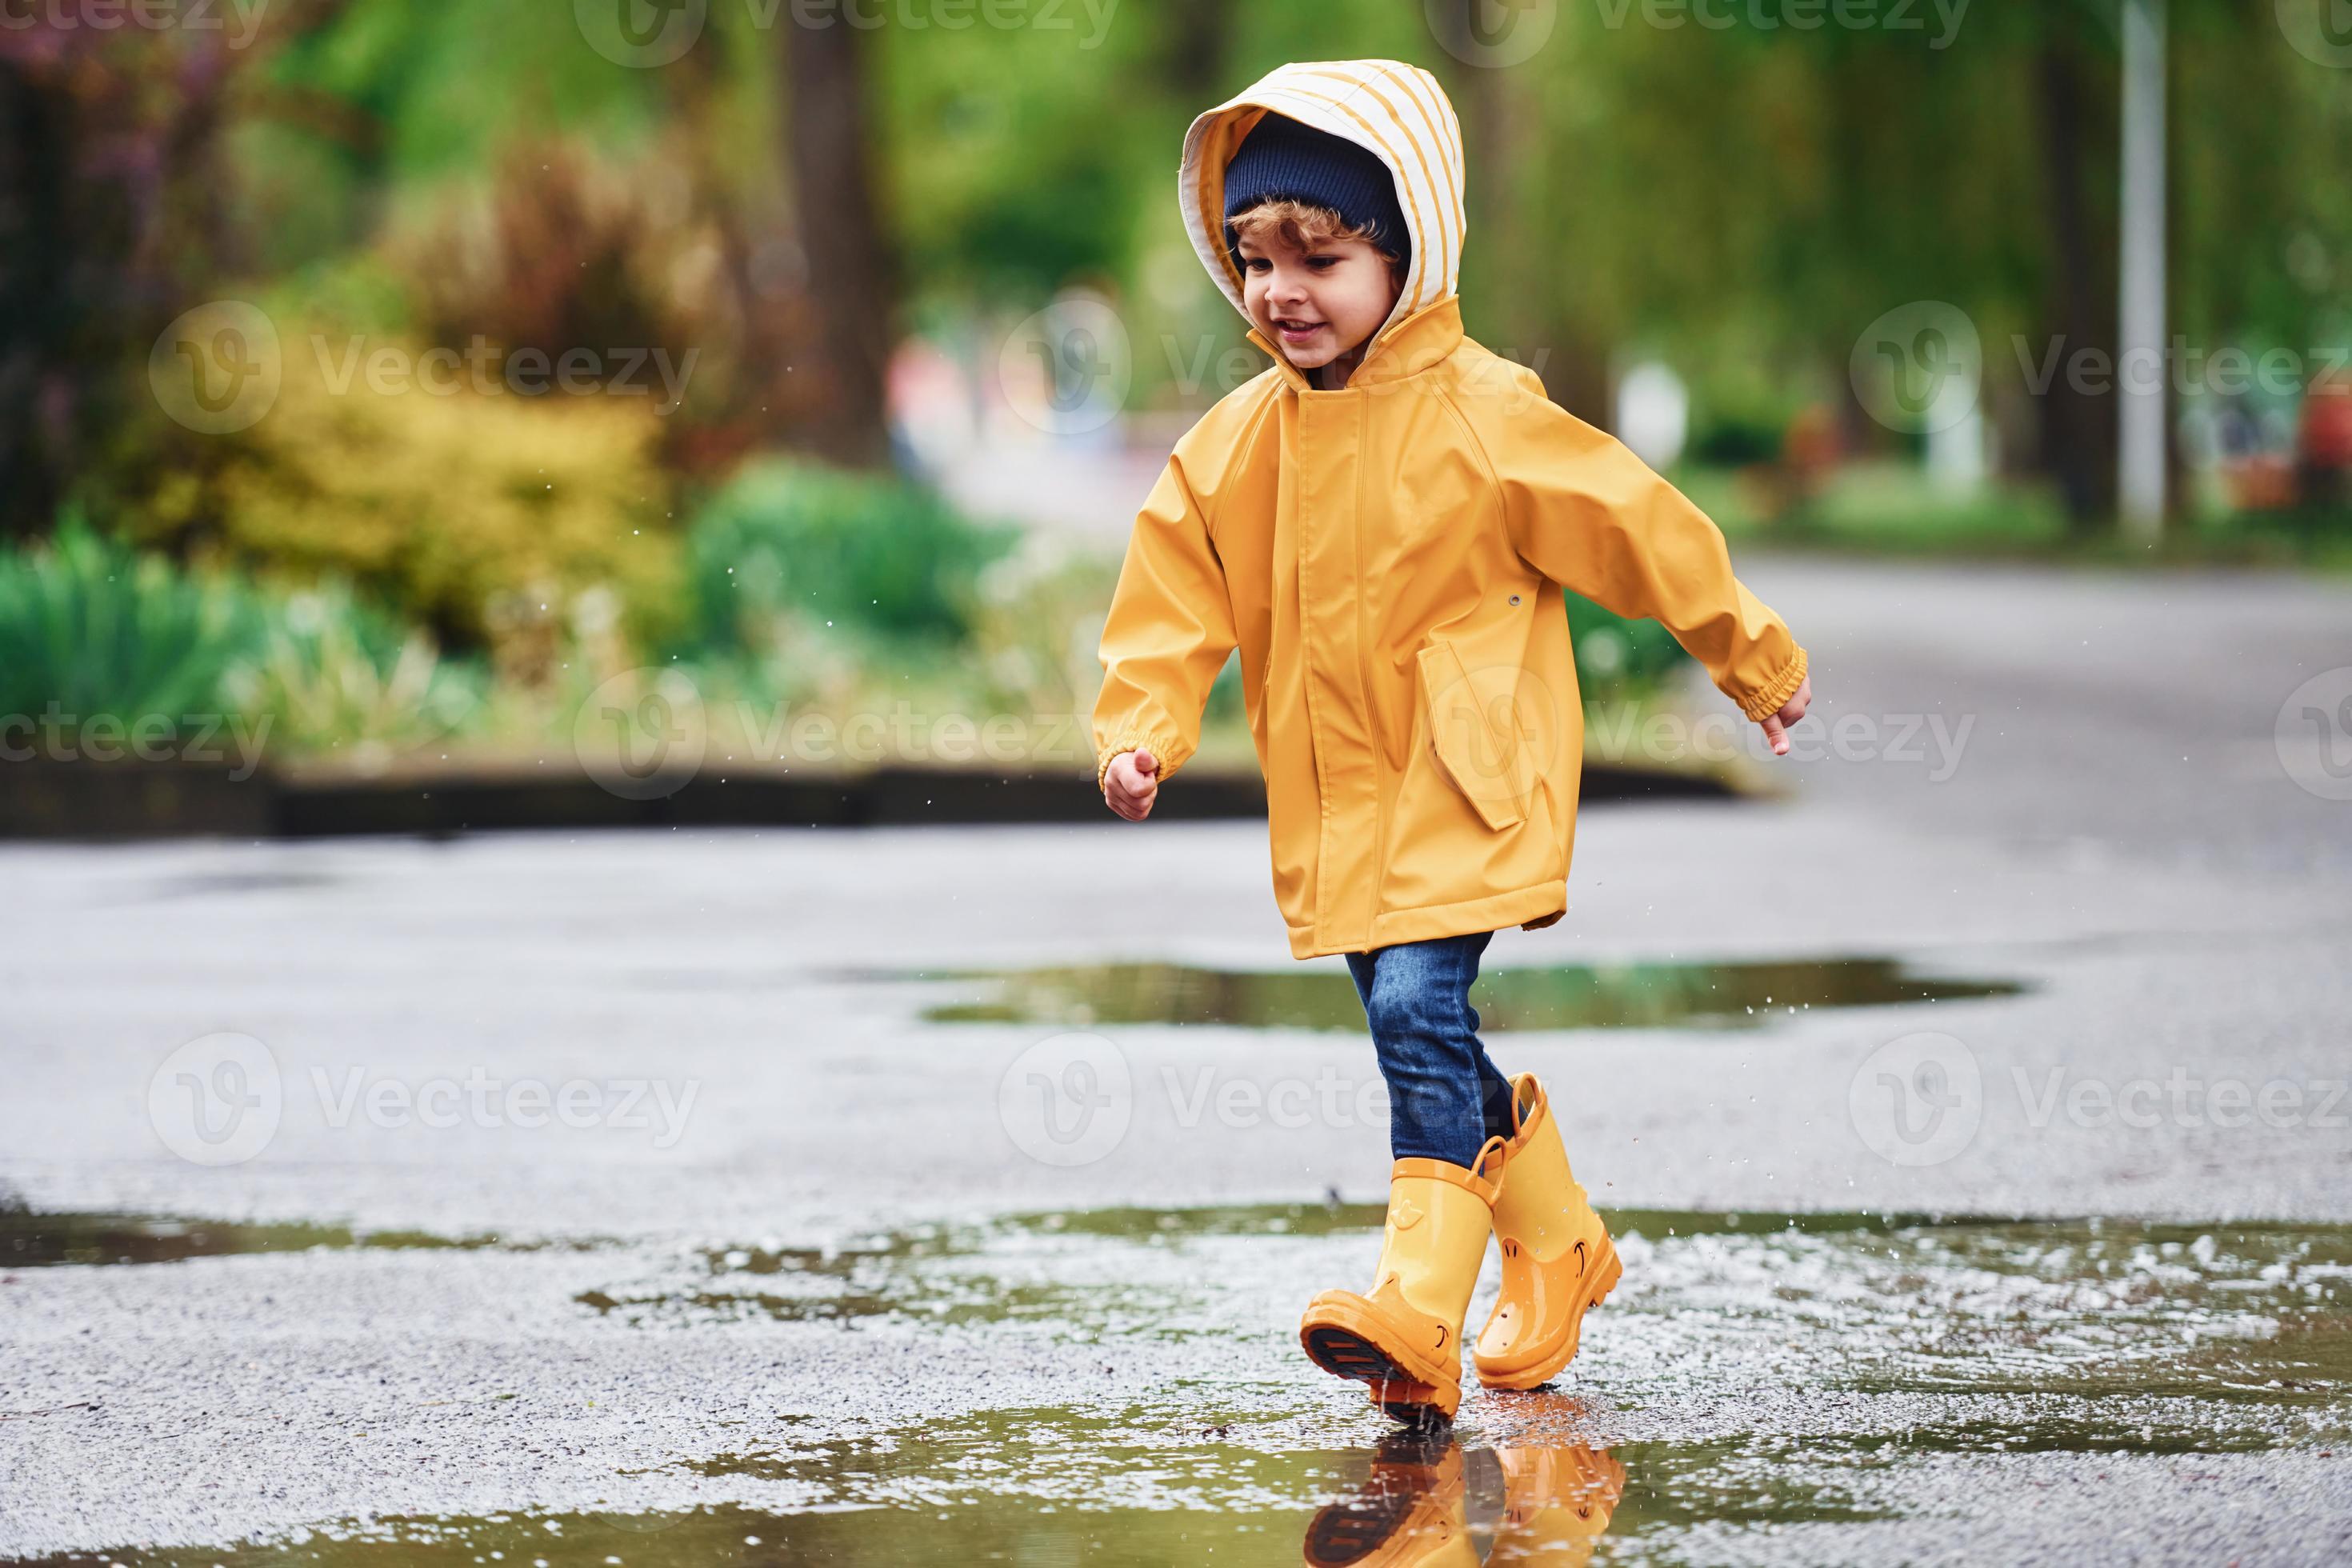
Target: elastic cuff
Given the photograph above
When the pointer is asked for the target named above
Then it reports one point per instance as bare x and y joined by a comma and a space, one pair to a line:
1776, 692
1131, 741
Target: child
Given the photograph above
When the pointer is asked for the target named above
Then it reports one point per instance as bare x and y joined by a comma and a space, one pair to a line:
1381, 522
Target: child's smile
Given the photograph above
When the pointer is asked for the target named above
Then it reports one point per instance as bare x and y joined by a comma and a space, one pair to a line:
1320, 304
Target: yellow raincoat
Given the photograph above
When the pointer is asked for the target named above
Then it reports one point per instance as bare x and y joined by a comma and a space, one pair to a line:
1387, 558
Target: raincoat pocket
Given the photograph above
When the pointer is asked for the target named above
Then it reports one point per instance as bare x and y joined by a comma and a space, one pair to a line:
1479, 762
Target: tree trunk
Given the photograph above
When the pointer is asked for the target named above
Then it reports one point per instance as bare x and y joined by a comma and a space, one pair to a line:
1520, 314
1198, 30
852, 273
2077, 428
34, 422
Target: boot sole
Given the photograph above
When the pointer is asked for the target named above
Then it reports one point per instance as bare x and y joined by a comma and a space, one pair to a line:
1401, 1395
1535, 1373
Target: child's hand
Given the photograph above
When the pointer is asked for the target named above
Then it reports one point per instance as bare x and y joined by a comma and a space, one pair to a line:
1776, 726
1132, 784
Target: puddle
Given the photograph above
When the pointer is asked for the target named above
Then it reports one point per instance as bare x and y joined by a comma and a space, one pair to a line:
1604, 996
1989, 1334
31, 1240
1858, 1387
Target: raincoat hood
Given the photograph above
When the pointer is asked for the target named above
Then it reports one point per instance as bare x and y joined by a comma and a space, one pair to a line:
1396, 111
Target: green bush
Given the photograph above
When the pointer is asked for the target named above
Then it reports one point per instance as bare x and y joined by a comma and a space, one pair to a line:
1732, 443
791, 542
95, 628
334, 673
90, 625
482, 515
1616, 658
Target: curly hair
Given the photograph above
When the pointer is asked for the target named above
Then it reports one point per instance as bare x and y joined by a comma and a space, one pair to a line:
1302, 225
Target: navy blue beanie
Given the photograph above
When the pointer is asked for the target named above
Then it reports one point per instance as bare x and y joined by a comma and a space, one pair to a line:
1282, 157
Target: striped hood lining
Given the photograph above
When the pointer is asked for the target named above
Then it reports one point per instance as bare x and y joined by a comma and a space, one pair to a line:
1395, 110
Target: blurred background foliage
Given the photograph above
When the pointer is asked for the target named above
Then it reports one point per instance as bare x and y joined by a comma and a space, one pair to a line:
785, 219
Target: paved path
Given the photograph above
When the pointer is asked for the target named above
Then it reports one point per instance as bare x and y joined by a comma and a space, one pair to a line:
2103, 816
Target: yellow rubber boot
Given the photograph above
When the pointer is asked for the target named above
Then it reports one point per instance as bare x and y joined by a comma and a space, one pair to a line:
1411, 1510
1558, 1259
1556, 1505
1405, 1337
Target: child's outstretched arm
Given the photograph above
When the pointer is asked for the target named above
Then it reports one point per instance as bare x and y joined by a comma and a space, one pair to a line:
1593, 517
1169, 632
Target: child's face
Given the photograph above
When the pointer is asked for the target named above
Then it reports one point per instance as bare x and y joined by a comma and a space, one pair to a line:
1341, 291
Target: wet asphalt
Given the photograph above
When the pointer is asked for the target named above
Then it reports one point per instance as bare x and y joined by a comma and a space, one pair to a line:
812, 1256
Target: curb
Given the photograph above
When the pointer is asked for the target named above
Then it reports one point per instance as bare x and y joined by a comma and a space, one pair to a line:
130, 800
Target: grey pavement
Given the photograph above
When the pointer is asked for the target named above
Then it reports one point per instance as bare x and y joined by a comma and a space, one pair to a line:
2073, 782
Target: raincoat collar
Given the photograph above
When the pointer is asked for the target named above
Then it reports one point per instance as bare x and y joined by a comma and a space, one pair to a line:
1399, 350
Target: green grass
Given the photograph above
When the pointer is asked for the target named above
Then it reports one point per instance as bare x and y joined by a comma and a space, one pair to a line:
90, 626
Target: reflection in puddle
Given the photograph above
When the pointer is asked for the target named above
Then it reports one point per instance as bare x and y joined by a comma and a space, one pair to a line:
1606, 996
1414, 1505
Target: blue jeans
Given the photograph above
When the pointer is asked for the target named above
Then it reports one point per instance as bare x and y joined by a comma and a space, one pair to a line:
1445, 1095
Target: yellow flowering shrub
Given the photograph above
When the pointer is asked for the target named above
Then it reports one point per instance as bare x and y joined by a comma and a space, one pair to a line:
483, 511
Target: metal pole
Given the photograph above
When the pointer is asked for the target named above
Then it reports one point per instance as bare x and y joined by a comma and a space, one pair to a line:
2141, 364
